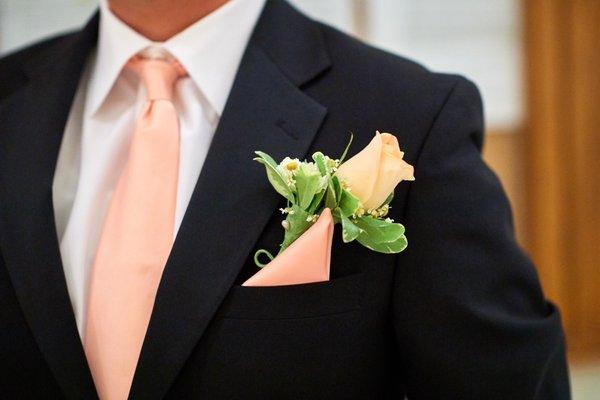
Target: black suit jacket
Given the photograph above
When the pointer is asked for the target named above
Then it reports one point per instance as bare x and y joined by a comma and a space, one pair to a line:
458, 315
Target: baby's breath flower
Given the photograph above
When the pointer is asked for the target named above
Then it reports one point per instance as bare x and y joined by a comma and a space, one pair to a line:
383, 210
287, 168
389, 220
289, 164
312, 218
331, 164
360, 212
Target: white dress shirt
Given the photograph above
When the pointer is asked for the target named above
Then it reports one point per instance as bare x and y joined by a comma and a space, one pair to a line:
101, 121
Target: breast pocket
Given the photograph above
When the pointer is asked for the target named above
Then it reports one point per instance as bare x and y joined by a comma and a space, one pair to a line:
336, 296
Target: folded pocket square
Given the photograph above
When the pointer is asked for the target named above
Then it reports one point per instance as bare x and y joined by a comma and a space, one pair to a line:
306, 260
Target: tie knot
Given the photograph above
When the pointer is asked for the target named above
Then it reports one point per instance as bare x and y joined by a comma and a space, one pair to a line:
157, 75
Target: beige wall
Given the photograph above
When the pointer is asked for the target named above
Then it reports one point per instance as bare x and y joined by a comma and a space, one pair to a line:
504, 153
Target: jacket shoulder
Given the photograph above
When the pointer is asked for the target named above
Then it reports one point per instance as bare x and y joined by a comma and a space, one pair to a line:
382, 70
369, 89
12, 64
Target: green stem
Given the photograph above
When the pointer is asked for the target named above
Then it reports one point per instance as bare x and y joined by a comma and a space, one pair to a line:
258, 253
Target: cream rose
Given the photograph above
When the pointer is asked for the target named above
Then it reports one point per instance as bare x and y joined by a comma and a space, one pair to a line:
373, 173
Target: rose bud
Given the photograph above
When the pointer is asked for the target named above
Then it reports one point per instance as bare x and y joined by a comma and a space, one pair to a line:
373, 173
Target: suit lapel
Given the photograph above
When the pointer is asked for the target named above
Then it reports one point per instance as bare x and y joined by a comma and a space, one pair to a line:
232, 200
31, 126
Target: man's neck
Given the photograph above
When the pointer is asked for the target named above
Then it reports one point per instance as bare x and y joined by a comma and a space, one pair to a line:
158, 20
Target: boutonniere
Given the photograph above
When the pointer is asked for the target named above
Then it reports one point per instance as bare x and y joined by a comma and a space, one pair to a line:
356, 193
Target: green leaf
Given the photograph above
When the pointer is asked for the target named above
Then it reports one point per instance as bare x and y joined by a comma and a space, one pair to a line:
267, 158
349, 204
309, 182
297, 225
330, 200
314, 205
275, 178
380, 235
337, 188
319, 159
337, 215
388, 248
379, 230
334, 191
345, 153
349, 230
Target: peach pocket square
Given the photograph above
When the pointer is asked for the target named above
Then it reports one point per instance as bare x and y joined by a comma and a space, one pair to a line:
306, 260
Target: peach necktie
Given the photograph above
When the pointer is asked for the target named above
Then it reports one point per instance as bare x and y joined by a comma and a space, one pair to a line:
136, 237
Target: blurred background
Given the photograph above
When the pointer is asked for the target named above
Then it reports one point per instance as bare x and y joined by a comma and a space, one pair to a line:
537, 63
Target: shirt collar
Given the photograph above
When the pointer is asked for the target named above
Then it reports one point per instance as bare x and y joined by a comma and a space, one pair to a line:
210, 50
